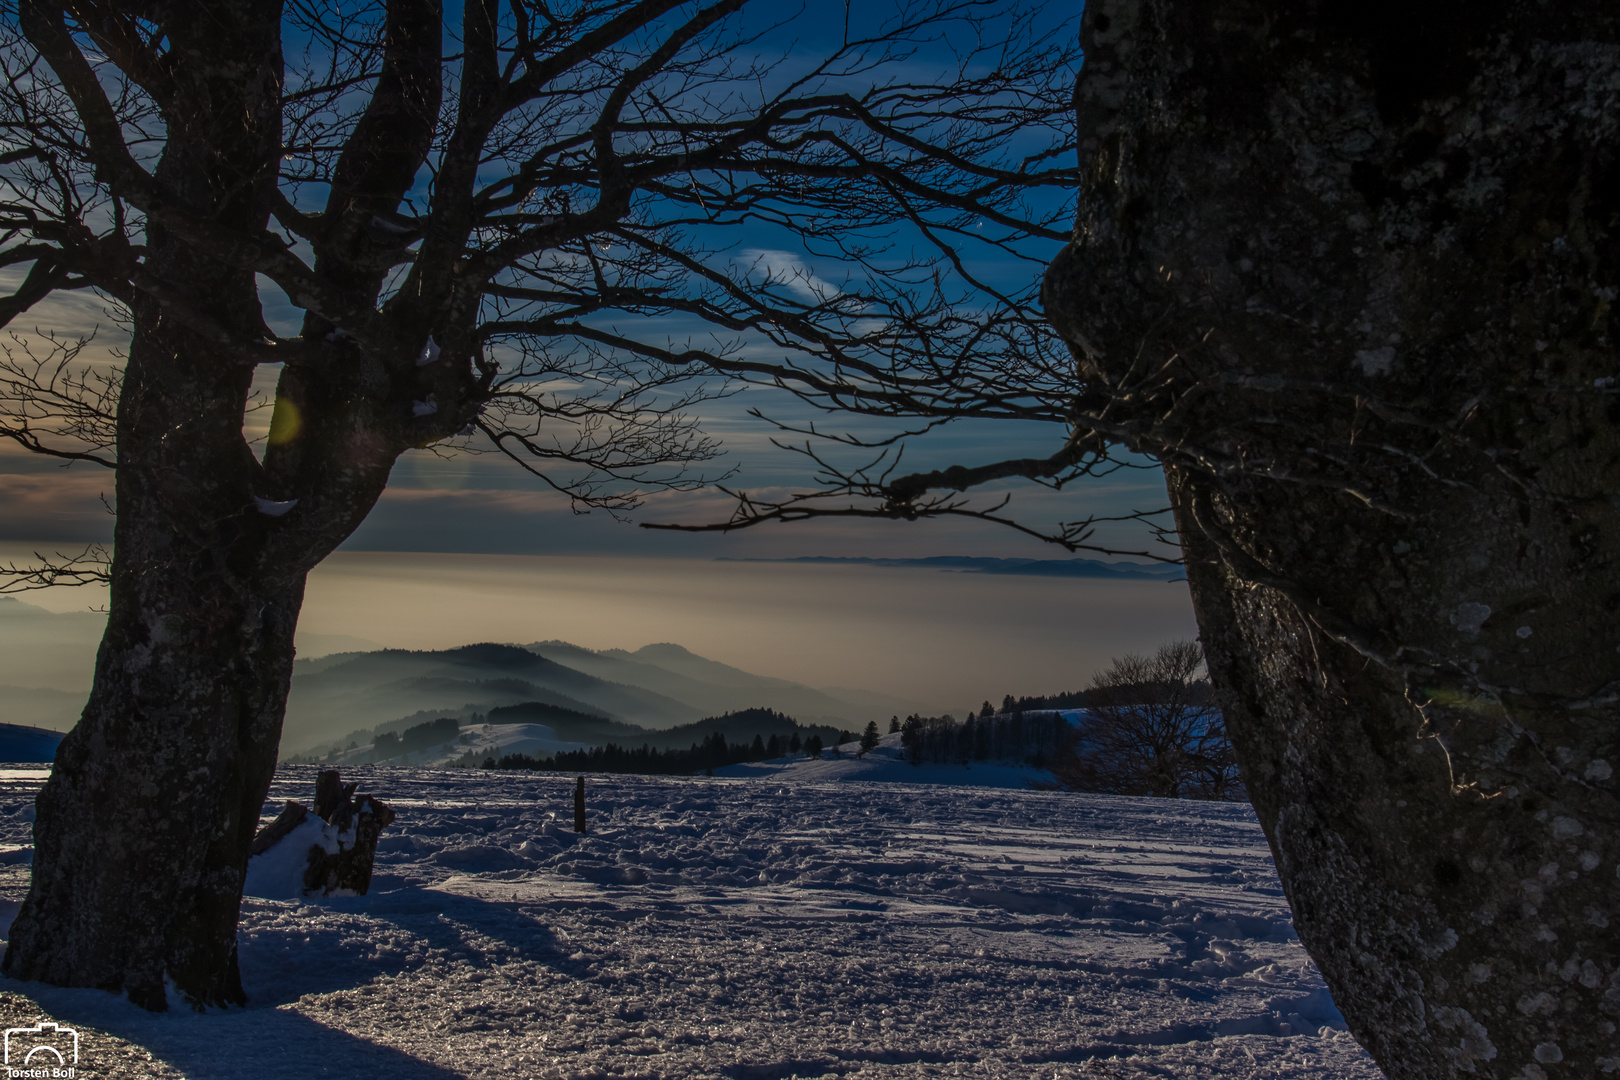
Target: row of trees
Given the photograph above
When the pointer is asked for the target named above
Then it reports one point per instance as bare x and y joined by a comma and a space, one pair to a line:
1146, 725
713, 752
417, 737
1036, 738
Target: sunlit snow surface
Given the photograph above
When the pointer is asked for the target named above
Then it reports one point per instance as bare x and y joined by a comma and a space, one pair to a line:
751, 929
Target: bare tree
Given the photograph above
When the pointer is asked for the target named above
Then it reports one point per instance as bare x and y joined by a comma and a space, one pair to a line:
1151, 728
529, 245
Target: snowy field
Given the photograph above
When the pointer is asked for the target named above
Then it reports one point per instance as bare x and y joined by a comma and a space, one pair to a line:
748, 928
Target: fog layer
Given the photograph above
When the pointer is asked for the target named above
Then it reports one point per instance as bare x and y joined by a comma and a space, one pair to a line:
946, 639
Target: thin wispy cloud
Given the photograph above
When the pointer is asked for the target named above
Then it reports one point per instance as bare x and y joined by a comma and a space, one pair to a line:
771, 266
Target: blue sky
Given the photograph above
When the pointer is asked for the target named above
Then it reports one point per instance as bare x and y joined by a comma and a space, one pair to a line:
464, 503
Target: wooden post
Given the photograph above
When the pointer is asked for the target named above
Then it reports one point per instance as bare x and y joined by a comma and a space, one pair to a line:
579, 805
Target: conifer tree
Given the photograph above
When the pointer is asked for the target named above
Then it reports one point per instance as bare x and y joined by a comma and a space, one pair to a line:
870, 737
911, 737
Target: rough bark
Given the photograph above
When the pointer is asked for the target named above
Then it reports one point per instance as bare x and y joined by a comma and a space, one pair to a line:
190, 689
133, 881
143, 829
1348, 271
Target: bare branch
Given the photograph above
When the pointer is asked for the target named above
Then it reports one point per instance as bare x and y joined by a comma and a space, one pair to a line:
870, 491
92, 566
562, 187
52, 404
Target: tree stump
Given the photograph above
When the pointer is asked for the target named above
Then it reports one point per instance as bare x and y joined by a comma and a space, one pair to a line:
340, 864
330, 793
292, 815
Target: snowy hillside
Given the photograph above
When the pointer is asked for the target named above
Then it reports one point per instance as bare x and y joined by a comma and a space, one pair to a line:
473, 744
885, 763
22, 743
750, 929
479, 741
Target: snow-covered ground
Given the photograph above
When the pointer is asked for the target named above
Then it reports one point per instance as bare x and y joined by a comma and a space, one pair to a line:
737, 928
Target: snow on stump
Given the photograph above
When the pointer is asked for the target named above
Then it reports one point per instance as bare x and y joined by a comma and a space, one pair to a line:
325, 853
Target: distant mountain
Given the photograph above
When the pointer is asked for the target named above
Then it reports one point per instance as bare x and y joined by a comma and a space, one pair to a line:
716, 688
47, 659
42, 649
313, 645
738, 727
386, 706
682, 661
339, 694
540, 730
968, 564
584, 696
470, 747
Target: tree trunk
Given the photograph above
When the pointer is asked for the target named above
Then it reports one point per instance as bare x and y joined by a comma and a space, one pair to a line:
1349, 275
143, 830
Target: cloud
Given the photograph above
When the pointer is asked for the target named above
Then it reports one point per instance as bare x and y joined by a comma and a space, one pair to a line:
70, 314
950, 639
61, 505
787, 269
